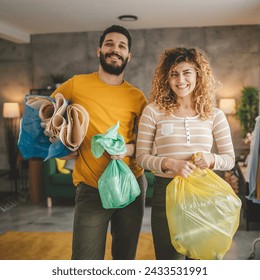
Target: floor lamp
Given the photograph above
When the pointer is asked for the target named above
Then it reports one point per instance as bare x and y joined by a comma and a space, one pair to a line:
11, 115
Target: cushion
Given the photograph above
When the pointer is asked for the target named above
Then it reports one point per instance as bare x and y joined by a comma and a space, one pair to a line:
61, 166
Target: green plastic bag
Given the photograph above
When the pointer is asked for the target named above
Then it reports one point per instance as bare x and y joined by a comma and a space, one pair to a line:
203, 214
117, 185
111, 141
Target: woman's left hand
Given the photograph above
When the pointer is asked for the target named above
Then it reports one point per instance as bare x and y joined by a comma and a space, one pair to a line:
204, 160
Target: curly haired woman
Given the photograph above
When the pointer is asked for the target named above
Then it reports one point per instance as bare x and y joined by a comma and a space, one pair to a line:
180, 120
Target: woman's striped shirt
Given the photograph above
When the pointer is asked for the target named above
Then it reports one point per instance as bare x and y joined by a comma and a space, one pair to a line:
162, 135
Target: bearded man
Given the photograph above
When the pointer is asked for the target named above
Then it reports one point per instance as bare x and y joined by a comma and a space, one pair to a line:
108, 99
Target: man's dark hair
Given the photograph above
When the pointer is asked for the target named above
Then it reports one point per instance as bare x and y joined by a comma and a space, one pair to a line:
117, 29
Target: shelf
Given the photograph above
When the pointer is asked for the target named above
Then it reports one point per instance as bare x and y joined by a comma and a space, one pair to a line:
41, 91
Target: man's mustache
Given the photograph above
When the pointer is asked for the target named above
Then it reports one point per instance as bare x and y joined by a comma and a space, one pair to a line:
113, 54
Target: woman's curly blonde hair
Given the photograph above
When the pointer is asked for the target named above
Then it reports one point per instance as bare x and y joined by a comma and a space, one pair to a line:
204, 93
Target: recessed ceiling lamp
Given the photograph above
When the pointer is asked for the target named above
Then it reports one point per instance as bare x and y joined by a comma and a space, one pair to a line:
127, 18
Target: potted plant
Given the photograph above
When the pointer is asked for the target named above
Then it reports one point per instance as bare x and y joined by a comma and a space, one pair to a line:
248, 109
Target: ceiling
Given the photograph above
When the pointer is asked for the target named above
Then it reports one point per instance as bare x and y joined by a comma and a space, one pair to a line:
21, 18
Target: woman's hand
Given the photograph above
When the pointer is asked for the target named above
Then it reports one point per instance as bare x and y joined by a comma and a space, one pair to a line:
129, 153
204, 160
179, 167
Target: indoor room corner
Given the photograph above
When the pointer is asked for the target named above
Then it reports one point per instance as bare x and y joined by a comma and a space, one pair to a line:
37, 196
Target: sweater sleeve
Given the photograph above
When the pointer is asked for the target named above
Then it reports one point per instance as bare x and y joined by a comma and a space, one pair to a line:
65, 89
145, 141
225, 159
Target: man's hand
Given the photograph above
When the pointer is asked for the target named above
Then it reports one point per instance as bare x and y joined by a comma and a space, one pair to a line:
129, 153
73, 155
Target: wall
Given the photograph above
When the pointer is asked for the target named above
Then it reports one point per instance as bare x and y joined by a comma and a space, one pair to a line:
234, 53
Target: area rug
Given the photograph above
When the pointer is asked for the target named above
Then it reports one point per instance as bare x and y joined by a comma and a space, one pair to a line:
56, 246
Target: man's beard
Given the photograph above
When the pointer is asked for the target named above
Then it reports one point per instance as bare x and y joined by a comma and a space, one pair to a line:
111, 68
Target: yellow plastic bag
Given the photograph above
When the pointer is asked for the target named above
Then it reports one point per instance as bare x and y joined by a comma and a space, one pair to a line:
203, 214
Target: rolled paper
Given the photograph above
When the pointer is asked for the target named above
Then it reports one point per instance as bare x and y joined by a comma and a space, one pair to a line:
73, 134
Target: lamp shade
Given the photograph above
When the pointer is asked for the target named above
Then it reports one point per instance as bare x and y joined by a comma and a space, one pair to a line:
11, 110
228, 105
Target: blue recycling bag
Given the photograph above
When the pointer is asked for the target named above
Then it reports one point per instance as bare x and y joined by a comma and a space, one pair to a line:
32, 141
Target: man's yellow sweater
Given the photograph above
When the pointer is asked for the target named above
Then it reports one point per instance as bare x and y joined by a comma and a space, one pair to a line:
106, 106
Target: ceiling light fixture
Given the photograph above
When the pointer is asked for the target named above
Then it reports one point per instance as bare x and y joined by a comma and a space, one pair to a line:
127, 18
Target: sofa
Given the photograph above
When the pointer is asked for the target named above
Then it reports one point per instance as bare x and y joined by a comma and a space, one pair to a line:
55, 183
59, 185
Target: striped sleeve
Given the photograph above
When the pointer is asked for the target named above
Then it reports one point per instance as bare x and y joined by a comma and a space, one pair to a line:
145, 141
225, 159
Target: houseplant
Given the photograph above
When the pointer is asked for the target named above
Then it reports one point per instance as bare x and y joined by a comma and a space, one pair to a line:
248, 109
